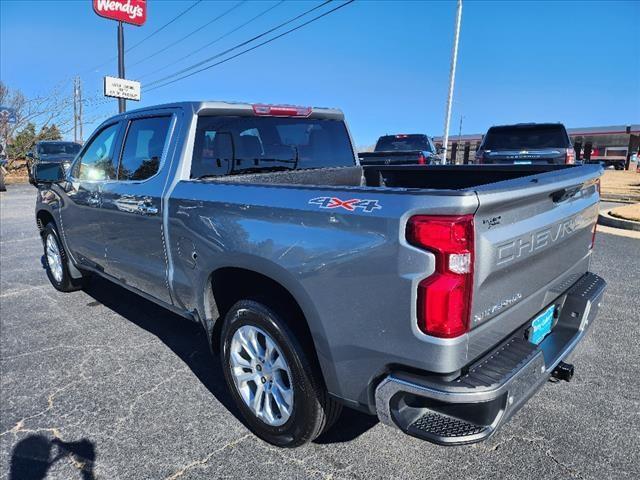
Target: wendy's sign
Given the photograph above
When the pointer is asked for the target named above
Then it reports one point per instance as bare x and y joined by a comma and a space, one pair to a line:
128, 11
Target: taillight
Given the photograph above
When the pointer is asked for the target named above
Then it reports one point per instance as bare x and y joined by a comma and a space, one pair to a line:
422, 160
444, 298
570, 156
282, 110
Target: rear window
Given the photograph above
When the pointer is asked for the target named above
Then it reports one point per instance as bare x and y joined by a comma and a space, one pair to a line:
143, 148
526, 137
226, 144
58, 148
400, 143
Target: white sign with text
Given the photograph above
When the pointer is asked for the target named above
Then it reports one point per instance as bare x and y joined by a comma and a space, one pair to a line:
121, 88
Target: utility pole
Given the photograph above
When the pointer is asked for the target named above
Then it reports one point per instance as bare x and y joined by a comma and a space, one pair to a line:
122, 105
80, 110
459, 139
452, 79
77, 110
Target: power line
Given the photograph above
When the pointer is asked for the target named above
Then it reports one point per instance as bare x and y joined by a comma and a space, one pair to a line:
172, 44
164, 26
254, 47
207, 60
147, 37
233, 30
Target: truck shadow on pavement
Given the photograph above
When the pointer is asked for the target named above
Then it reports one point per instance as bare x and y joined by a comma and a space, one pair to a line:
188, 341
33, 456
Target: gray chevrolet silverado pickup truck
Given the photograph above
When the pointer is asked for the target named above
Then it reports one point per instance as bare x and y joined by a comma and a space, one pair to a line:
439, 298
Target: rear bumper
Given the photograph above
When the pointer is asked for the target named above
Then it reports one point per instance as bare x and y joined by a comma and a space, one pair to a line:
472, 407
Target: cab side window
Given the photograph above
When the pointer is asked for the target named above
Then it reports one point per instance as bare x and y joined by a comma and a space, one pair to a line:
96, 162
212, 154
143, 148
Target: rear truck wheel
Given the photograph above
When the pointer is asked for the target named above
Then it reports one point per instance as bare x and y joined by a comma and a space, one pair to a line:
276, 387
56, 262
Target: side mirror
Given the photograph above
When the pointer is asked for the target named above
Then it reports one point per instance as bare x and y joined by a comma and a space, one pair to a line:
439, 150
46, 173
30, 154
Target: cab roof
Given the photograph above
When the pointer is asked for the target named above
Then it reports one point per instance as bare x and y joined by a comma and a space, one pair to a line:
241, 109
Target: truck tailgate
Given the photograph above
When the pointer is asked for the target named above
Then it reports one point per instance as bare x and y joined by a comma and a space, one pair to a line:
541, 155
390, 158
533, 239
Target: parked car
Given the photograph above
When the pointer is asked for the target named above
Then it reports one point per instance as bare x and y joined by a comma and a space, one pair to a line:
51, 151
401, 149
526, 143
439, 298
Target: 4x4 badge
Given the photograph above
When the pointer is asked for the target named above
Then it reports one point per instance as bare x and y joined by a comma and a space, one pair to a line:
350, 205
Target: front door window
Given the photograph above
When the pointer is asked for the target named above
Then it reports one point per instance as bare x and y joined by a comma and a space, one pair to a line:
96, 162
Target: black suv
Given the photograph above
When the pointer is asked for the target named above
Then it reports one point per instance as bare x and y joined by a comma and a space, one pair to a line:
527, 143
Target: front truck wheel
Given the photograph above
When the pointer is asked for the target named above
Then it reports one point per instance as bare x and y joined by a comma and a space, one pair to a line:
56, 262
276, 386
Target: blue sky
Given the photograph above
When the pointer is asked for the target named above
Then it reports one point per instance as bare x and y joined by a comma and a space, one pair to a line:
386, 64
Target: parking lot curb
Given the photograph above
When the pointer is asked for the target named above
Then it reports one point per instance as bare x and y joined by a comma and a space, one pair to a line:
619, 198
605, 219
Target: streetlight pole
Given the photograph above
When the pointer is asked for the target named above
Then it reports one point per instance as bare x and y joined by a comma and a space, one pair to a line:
452, 79
122, 105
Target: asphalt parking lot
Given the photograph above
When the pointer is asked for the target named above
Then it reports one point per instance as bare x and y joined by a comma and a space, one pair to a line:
102, 384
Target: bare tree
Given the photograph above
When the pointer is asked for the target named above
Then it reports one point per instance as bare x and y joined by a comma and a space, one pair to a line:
43, 111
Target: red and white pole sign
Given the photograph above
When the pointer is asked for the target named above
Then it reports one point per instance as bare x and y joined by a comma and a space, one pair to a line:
127, 11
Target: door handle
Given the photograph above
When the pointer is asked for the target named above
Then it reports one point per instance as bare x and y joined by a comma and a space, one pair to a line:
565, 193
147, 210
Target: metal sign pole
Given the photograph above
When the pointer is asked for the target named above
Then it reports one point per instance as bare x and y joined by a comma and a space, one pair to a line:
122, 106
452, 79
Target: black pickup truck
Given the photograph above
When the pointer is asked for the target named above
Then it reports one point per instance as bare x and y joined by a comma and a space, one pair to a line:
401, 149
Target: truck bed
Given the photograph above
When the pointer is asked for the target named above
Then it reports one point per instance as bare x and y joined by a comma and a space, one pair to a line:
432, 177
533, 231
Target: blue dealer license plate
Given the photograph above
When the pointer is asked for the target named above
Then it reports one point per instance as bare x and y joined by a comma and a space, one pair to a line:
541, 325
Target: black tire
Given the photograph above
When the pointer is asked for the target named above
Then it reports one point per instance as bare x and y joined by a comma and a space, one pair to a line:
314, 411
65, 283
